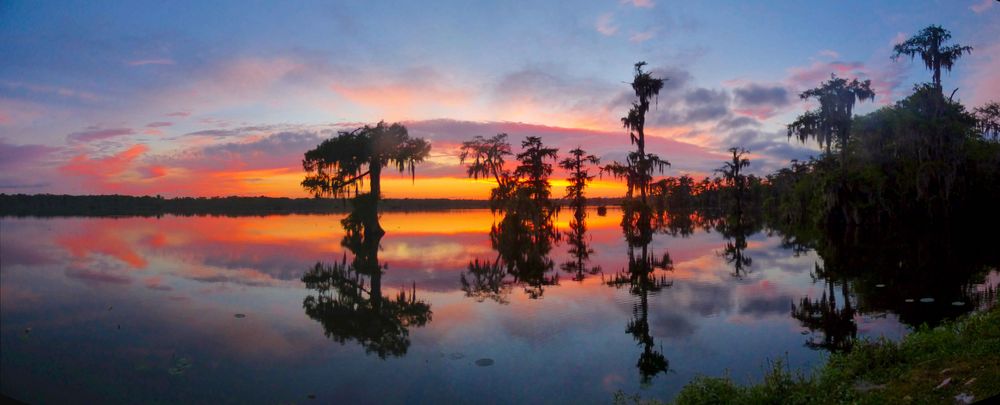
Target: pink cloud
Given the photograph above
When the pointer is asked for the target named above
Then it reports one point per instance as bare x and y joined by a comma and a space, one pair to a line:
102, 168
982, 6
605, 25
159, 124
179, 114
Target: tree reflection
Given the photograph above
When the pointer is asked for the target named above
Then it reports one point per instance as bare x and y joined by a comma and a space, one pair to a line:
837, 326
641, 280
525, 233
735, 229
348, 298
924, 276
579, 247
486, 280
522, 239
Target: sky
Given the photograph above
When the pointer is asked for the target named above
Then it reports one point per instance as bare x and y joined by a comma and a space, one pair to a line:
192, 99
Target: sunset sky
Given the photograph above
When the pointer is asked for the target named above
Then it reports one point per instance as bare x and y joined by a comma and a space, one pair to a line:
192, 99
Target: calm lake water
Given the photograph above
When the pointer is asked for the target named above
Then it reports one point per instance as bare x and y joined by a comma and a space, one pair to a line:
213, 309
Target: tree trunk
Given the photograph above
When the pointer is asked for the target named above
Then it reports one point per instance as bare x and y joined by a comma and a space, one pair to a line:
937, 75
375, 168
643, 181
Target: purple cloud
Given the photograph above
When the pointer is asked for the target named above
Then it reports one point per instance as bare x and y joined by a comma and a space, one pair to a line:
13, 156
93, 134
758, 95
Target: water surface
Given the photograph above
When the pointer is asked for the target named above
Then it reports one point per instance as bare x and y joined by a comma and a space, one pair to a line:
213, 309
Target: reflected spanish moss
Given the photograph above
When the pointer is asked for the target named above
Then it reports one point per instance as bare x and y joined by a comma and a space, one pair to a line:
348, 301
642, 278
522, 239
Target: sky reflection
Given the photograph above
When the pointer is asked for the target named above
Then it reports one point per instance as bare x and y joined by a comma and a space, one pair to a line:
117, 306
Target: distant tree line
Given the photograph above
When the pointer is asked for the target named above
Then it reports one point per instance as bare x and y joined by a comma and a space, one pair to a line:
124, 205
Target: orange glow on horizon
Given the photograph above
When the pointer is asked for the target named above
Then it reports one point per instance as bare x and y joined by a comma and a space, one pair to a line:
285, 183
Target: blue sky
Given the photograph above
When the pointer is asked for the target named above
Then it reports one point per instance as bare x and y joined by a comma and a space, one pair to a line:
131, 96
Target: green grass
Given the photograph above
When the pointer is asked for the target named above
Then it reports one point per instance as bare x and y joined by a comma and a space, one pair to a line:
875, 372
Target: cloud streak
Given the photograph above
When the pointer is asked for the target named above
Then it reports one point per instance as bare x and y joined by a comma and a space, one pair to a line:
96, 134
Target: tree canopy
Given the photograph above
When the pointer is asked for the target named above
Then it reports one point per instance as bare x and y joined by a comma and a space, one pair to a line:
339, 166
831, 122
533, 171
929, 44
579, 176
988, 120
639, 167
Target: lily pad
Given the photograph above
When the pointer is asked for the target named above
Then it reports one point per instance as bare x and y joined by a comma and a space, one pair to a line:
958, 303
908, 300
456, 356
879, 285
241, 316
180, 366
484, 362
927, 300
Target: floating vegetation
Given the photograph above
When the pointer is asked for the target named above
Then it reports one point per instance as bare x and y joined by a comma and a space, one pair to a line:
958, 303
180, 366
484, 362
908, 300
241, 316
456, 356
879, 285
927, 300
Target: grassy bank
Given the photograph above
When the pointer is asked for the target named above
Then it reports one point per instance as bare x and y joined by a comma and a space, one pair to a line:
939, 365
